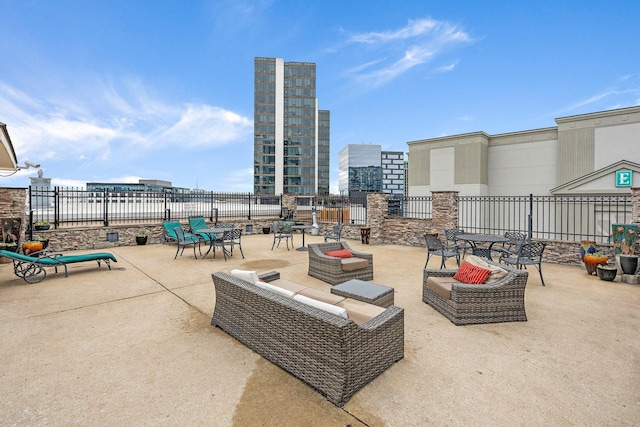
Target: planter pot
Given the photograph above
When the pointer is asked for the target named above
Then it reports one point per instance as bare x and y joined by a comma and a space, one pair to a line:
42, 227
266, 230
606, 272
629, 264
592, 261
624, 238
141, 240
45, 243
587, 247
32, 246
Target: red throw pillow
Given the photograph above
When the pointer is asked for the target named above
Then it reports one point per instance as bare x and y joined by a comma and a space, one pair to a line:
342, 253
470, 274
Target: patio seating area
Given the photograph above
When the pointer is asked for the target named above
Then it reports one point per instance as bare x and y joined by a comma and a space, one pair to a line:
134, 345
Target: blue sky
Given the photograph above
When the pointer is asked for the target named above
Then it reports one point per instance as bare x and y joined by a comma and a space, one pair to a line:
114, 91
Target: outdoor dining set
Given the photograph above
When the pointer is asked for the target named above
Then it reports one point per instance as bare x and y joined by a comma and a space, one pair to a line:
512, 248
222, 236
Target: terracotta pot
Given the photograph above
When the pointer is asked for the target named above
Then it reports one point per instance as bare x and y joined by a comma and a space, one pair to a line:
592, 261
31, 246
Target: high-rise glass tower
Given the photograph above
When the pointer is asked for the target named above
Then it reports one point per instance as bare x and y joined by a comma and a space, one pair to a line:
365, 168
291, 136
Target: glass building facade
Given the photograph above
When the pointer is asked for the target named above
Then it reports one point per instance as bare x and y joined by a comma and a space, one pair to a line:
365, 168
291, 136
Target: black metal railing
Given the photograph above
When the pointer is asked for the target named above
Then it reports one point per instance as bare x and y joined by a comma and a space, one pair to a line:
71, 206
410, 207
569, 218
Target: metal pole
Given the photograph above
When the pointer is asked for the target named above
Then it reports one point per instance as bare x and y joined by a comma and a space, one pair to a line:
530, 225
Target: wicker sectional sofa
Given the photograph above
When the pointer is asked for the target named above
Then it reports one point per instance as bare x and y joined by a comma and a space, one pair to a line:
463, 304
335, 355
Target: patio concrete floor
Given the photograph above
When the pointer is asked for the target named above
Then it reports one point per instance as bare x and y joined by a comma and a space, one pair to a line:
134, 346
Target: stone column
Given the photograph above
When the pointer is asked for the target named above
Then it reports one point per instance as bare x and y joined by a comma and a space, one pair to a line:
13, 217
635, 205
377, 211
289, 202
444, 210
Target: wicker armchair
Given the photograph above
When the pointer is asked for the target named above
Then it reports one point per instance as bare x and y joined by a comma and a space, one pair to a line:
330, 269
501, 301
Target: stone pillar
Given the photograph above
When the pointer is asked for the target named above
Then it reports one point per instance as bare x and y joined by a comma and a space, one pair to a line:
13, 217
444, 210
635, 205
377, 211
289, 202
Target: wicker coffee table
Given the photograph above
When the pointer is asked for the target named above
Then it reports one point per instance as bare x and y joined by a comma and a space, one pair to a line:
379, 295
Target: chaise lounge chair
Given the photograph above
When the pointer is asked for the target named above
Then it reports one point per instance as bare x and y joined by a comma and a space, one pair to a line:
32, 268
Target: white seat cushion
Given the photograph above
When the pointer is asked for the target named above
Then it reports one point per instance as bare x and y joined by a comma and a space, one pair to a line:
333, 309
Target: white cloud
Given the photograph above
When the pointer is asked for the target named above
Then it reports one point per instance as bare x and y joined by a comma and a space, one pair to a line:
405, 48
94, 125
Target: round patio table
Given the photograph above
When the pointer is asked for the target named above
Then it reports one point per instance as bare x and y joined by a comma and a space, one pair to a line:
474, 239
303, 228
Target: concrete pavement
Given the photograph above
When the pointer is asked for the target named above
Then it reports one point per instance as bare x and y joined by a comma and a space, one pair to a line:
134, 346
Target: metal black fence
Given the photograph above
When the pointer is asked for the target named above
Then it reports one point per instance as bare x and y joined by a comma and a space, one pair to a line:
410, 207
569, 218
72, 207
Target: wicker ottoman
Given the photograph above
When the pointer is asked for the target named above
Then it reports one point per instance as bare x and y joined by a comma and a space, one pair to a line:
372, 293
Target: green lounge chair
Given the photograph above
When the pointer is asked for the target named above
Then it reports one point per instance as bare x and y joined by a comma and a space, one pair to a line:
32, 268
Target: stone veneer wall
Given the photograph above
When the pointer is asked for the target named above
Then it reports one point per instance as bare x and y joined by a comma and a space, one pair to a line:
13, 205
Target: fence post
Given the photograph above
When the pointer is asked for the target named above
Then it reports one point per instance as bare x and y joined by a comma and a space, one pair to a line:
56, 207
249, 195
530, 219
105, 202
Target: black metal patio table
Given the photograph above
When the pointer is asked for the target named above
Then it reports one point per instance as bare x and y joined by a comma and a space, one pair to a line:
303, 228
212, 233
474, 239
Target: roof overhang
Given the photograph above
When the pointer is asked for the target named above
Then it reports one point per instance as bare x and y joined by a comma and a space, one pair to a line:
8, 160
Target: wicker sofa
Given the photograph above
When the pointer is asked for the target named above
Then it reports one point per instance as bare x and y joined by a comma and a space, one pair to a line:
338, 270
463, 304
333, 354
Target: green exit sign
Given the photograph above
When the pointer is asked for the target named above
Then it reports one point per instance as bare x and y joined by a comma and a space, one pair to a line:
624, 178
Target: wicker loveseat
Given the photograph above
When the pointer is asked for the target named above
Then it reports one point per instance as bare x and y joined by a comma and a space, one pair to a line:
500, 301
333, 354
338, 270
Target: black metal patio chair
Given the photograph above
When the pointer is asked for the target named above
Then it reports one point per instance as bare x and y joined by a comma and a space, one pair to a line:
185, 239
281, 232
510, 248
453, 243
334, 233
436, 247
529, 254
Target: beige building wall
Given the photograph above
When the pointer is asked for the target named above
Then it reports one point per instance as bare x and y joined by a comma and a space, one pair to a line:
579, 156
